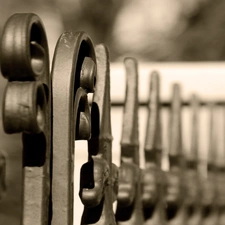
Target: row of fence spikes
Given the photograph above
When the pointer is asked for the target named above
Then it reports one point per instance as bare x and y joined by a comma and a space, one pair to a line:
147, 196
182, 195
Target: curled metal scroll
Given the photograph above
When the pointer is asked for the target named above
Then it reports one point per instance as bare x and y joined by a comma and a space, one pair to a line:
98, 176
129, 204
153, 194
27, 108
74, 76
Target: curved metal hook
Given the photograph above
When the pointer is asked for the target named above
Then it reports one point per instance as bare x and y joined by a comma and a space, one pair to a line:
27, 108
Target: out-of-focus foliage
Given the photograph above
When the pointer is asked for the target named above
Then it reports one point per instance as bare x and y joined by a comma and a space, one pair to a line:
172, 30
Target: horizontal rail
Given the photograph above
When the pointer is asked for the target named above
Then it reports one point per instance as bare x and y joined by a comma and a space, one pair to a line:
168, 104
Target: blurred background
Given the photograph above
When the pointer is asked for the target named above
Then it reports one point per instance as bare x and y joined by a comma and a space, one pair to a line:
172, 30
182, 39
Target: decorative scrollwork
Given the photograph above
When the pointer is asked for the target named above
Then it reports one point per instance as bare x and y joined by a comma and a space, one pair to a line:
99, 176
74, 76
27, 108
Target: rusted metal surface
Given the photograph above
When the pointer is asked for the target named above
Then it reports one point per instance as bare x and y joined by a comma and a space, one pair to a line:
27, 108
153, 194
98, 176
129, 204
73, 74
176, 188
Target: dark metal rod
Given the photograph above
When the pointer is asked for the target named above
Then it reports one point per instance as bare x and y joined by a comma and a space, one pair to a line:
168, 103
